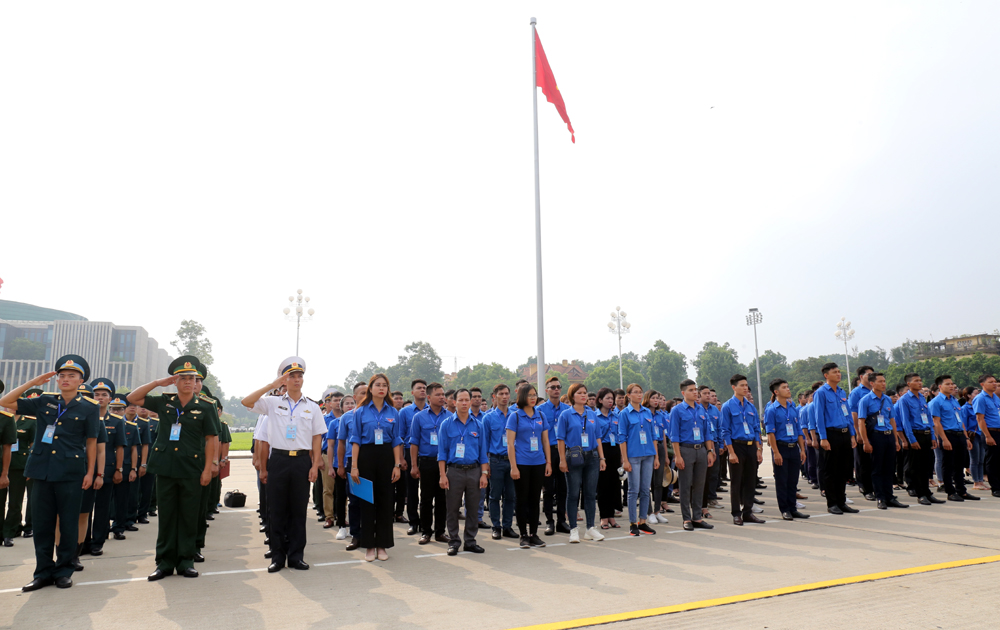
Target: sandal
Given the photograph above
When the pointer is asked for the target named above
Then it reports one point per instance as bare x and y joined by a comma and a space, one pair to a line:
605, 526
615, 526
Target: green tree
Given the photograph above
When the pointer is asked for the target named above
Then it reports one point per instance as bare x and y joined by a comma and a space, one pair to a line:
366, 373
607, 376
419, 361
716, 365
191, 339
772, 365
24, 349
485, 377
665, 368
905, 352
877, 357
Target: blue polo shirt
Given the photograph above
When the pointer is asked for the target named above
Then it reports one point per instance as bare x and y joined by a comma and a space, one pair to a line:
634, 428
948, 410
783, 422
878, 406
470, 435
571, 427
406, 418
688, 424
969, 419
831, 410
608, 427
495, 426
525, 428
857, 394
915, 415
368, 418
661, 424
989, 406
551, 414
739, 422
424, 431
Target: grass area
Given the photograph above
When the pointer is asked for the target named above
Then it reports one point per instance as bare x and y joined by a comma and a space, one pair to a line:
241, 441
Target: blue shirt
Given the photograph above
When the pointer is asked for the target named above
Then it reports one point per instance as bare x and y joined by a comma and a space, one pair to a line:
857, 394
806, 419
330, 420
989, 406
424, 431
406, 418
495, 426
783, 422
368, 419
688, 424
344, 429
470, 434
914, 413
608, 427
571, 427
713, 416
661, 424
948, 410
634, 428
969, 419
879, 406
551, 414
739, 422
526, 428
830, 408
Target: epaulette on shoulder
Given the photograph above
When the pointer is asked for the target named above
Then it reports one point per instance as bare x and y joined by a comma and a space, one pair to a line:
117, 417
50, 393
131, 423
207, 398
91, 400
225, 423
6, 413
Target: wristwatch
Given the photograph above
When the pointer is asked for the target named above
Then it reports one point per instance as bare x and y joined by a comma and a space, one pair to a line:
135, 470
143, 466
100, 475
121, 469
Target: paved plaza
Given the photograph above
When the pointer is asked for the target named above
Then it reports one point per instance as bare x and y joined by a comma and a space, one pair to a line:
420, 587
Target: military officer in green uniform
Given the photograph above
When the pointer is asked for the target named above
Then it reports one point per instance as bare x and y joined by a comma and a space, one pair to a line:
60, 465
225, 439
114, 425
25, 428
182, 462
27, 531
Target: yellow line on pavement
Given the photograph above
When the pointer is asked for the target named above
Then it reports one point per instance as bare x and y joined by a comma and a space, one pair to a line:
735, 599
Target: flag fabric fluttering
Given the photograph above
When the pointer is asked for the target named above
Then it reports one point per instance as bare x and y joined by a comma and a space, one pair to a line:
545, 80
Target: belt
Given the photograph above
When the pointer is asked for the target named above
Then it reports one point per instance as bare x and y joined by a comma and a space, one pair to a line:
789, 444
889, 432
742, 442
424, 458
281, 451
463, 466
499, 455
839, 430
694, 446
922, 431
958, 433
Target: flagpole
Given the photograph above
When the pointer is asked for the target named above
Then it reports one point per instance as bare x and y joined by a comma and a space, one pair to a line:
538, 221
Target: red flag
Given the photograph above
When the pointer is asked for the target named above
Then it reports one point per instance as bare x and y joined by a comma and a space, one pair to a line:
545, 80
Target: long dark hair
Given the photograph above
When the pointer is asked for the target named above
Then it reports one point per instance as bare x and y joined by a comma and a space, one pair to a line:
368, 394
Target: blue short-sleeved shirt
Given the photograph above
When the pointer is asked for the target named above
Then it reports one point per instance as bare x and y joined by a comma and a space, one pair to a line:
495, 426
915, 415
857, 394
424, 431
469, 434
406, 418
527, 428
368, 419
831, 410
571, 428
688, 424
989, 406
739, 422
608, 427
783, 422
880, 409
551, 414
635, 428
948, 410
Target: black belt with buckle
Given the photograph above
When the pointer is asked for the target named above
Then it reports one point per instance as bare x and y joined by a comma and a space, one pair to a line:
789, 444
922, 431
281, 451
889, 432
747, 442
692, 445
464, 466
838, 430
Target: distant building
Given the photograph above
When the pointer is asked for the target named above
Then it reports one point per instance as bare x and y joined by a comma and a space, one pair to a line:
573, 372
958, 347
31, 337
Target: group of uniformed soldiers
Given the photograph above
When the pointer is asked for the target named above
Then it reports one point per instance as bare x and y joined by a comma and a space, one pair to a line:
95, 465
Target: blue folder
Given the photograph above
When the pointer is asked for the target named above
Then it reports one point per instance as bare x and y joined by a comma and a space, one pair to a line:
363, 489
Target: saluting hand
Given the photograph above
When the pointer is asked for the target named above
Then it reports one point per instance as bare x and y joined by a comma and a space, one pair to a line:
168, 381
41, 379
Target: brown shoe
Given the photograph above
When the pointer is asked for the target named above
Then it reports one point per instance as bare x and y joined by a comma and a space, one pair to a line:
753, 519
424, 539
737, 520
800, 496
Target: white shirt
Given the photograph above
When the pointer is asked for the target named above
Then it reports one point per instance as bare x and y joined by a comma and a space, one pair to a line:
260, 431
290, 425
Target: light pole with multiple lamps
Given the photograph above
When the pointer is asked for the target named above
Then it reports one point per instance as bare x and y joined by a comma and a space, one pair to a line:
300, 315
845, 333
619, 326
754, 318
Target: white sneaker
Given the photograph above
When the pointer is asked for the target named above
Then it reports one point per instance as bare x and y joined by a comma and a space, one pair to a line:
756, 510
849, 502
342, 534
652, 519
799, 505
574, 535
593, 534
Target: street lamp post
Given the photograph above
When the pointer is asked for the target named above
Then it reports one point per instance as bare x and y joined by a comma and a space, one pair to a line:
753, 319
300, 315
619, 326
846, 333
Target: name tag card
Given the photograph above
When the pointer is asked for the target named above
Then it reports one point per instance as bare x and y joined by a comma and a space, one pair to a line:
175, 432
534, 443
585, 440
746, 427
923, 418
642, 436
434, 438
613, 438
290, 431
696, 431
505, 439
378, 436
881, 421
789, 429
14, 447
843, 408
460, 450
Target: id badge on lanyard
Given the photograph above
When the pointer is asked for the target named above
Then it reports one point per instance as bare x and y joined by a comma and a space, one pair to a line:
534, 443
584, 440
50, 431
434, 438
460, 450
504, 437
789, 429
696, 433
378, 436
923, 418
746, 427
613, 437
642, 436
290, 432
175, 428
881, 420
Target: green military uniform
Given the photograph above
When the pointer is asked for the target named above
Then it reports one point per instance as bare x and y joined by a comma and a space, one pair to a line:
114, 426
146, 481
154, 426
25, 427
8, 438
123, 490
57, 465
225, 437
177, 460
207, 491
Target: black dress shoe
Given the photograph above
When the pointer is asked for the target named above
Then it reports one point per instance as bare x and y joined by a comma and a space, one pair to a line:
354, 544
119, 536
687, 526
318, 520
955, 497
737, 520
787, 516
497, 534
208, 517
994, 493
131, 528
814, 486
267, 554
758, 501
550, 529
426, 538
846, 509
970, 497
412, 531
509, 532
758, 493
299, 565
28, 533
189, 572
752, 518
934, 499
473, 548
143, 521
483, 525
797, 514
894, 502
869, 497
924, 501
402, 519
159, 574
7, 542
263, 528
835, 510
452, 550
198, 557
562, 528
97, 550
702, 525
36, 584
151, 513
267, 542
911, 492
442, 538
881, 505
64, 582
274, 567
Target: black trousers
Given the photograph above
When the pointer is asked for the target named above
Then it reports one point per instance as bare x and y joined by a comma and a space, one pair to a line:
920, 465
340, 501
50, 499
883, 458
954, 463
146, 494
102, 509
609, 485
287, 500
901, 466
528, 488
120, 505
433, 502
863, 469
554, 489
412, 493
375, 463
839, 466
743, 478
786, 475
992, 462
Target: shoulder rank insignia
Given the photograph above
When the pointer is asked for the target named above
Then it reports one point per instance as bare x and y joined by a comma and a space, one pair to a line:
91, 400
9, 415
206, 398
131, 424
116, 417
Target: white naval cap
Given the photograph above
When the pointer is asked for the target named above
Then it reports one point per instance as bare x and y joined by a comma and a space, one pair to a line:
292, 364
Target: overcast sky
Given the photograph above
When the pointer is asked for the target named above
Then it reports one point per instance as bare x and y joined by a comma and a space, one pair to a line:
205, 160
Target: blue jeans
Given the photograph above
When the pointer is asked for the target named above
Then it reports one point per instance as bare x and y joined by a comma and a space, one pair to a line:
585, 476
501, 487
638, 486
977, 456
